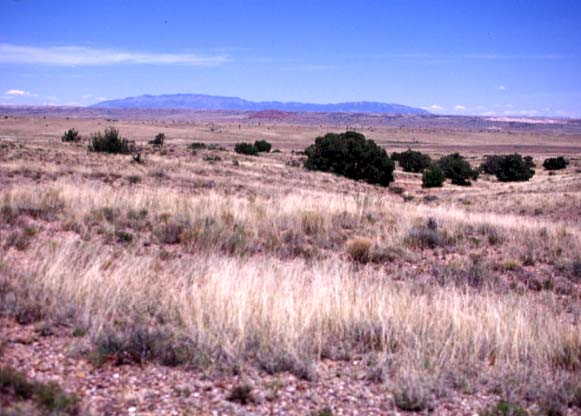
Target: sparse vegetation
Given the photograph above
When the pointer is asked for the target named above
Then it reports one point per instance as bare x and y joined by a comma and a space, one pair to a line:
351, 155
256, 274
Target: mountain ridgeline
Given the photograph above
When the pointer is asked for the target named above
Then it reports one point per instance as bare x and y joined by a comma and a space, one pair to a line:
210, 102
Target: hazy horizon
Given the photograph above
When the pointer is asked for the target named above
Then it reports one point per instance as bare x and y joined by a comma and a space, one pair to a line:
504, 58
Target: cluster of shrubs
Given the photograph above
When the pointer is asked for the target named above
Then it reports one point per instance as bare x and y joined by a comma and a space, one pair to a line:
509, 168
350, 154
434, 173
259, 146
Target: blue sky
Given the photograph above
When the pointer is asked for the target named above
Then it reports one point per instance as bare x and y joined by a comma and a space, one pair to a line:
451, 57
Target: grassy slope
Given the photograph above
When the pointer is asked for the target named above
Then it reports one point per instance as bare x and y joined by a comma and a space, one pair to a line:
220, 264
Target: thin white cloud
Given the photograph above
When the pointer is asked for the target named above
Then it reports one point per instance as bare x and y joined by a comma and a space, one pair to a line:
18, 93
459, 108
502, 88
87, 56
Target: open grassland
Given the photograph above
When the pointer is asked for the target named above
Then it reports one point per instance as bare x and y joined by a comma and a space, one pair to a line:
456, 299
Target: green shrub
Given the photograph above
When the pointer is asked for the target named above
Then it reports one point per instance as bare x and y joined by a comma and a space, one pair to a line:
110, 142
433, 177
159, 140
555, 163
71, 135
351, 155
509, 168
412, 161
246, 149
197, 146
456, 168
491, 164
262, 146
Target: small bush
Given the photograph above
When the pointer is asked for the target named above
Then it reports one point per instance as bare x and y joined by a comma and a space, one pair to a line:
433, 177
197, 146
358, 249
170, 233
47, 395
425, 236
110, 142
242, 394
504, 408
456, 168
246, 149
555, 163
123, 236
274, 362
413, 394
412, 161
262, 146
509, 168
71, 135
351, 155
212, 158
158, 141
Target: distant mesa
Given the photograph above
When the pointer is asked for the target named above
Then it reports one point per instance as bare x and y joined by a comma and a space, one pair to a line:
211, 102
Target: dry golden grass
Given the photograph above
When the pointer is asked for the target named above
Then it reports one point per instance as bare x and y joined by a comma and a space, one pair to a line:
259, 263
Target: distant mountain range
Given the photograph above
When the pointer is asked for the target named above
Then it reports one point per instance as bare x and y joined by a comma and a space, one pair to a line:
211, 102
